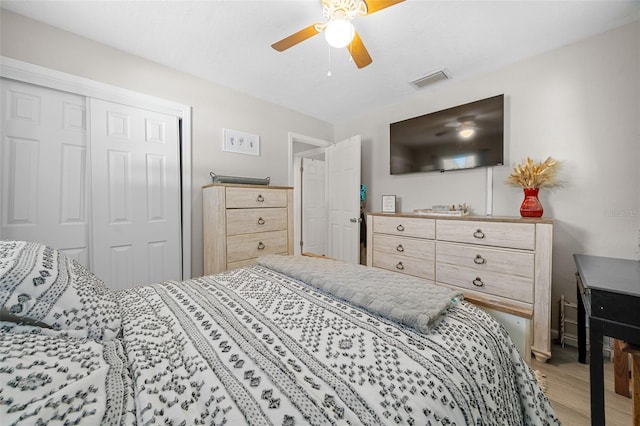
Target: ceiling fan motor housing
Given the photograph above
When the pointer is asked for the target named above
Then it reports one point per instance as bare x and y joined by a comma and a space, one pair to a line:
343, 9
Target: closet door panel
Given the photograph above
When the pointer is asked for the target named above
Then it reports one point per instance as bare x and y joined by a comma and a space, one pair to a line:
118, 179
135, 166
21, 175
43, 168
156, 188
73, 175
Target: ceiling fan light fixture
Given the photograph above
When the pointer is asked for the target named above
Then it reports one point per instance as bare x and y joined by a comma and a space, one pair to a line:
466, 131
339, 32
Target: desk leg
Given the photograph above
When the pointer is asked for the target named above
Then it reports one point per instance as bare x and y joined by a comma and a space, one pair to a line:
596, 375
582, 334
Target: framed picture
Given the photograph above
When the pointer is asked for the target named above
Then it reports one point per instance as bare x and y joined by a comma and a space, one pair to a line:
239, 142
388, 204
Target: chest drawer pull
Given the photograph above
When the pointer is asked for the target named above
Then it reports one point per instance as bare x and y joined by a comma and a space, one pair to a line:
400, 266
400, 248
479, 260
400, 228
478, 234
261, 246
261, 221
478, 282
260, 198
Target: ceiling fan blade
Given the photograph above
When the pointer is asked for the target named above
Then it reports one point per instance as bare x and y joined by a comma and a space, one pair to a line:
376, 5
295, 38
358, 52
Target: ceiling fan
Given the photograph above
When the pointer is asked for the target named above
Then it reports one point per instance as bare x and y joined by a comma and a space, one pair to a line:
338, 28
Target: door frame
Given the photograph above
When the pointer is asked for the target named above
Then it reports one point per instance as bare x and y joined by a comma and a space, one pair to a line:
295, 178
34, 74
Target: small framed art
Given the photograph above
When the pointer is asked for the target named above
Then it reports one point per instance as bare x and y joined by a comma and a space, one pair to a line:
388, 204
240, 142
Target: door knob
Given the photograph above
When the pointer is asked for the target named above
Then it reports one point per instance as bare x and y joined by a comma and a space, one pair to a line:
355, 220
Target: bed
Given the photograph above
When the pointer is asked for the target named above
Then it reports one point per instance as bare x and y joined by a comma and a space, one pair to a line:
293, 340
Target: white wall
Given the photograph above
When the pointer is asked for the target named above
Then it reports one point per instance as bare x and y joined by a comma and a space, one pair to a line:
579, 104
214, 107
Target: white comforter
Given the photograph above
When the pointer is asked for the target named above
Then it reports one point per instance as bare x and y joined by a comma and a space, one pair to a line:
254, 346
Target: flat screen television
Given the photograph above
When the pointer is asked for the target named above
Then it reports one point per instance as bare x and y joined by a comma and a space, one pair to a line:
462, 137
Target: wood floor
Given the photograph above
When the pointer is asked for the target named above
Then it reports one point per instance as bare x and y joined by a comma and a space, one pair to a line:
568, 389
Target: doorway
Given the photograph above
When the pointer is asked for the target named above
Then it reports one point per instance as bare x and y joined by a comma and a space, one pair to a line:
326, 197
309, 194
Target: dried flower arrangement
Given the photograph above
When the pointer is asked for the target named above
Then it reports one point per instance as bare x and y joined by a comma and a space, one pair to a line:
535, 175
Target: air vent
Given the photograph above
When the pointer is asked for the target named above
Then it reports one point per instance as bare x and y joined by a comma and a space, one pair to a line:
430, 78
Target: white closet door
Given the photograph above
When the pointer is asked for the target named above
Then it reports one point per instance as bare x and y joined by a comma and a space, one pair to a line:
135, 194
44, 169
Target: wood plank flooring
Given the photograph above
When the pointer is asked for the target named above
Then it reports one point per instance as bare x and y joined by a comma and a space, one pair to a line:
568, 389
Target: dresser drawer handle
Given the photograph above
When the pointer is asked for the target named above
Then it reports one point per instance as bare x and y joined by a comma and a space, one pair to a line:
400, 266
261, 246
478, 234
261, 221
479, 260
478, 282
400, 248
400, 228
260, 199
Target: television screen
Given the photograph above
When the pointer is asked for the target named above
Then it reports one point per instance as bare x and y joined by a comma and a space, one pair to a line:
462, 137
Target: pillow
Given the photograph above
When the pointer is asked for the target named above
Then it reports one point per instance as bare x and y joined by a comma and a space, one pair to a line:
41, 286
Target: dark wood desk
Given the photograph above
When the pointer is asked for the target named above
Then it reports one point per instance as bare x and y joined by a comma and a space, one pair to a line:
609, 298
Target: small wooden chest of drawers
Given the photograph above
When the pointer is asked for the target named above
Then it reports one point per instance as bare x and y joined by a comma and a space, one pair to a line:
499, 263
242, 222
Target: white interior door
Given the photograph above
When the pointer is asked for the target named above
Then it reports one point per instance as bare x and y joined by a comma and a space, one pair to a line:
314, 214
136, 195
44, 168
343, 160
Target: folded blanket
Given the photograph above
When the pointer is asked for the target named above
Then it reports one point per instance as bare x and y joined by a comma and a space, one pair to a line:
408, 300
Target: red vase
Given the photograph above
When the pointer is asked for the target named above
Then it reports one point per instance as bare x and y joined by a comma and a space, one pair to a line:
531, 206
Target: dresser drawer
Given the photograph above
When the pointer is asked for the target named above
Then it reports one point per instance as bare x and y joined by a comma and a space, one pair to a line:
246, 221
245, 198
421, 268
498, 234
482, 259
247, 246
404, 226
241, 263
403, 246
509, 286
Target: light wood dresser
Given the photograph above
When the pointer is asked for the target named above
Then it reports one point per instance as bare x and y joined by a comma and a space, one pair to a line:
501, 263
242, 222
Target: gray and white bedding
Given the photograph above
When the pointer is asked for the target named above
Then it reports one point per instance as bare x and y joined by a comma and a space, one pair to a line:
292, 341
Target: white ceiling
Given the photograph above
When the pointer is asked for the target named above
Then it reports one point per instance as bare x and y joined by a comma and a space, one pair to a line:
228, 42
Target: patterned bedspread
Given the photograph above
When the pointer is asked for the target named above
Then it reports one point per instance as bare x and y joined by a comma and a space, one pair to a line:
254, 346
